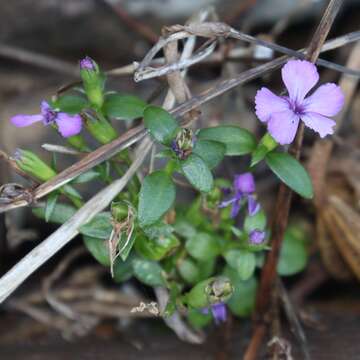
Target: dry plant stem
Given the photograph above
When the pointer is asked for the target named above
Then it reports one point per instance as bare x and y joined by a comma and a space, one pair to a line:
105, 152
40, 60
283, 202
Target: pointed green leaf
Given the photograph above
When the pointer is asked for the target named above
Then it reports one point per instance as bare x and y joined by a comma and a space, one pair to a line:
238, 141
197, 173
124, 107
50, 205
291, 172
162, 126
156, 197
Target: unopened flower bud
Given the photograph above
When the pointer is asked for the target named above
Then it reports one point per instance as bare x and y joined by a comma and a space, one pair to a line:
266, 144
257, 237
209, 292
33, 165
183, 143
93, 81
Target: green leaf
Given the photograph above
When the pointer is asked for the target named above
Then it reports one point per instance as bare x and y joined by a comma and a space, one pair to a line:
158, 229
123, 270
255, 222
50, 205
99, 227
202, 246
212, 152
197, 319
242, 301
70, 104
148, 272
86, 177
156, 197
238, 141
189, 271
98, 249
291, 172
184, 228
293, 255
124, 107
162, 126
197, 173
244, 262
69, 190
60, 214
157, 248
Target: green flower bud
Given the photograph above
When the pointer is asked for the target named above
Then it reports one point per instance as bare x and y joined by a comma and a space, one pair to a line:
33, 165
266, 144
209, 292
93, 81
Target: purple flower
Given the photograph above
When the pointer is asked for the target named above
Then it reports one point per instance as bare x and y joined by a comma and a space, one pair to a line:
283, 113
256, 237
218, 311
87, 63
68, 125
243, 190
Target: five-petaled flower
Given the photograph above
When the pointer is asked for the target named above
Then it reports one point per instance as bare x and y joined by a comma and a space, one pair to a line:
283, 113
243, 190
68, 125
218, 311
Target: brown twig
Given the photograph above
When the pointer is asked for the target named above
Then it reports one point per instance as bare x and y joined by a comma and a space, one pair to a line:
283, 202
137, 26
40, 60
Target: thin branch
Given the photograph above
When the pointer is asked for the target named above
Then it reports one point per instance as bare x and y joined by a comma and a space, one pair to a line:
40, 60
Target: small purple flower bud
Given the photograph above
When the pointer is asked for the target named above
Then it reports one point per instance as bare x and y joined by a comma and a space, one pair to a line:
87, 64
244, 183
257, 237
17, 154
219, 313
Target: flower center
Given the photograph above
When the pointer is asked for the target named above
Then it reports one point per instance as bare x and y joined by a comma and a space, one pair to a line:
298, 109
50, 116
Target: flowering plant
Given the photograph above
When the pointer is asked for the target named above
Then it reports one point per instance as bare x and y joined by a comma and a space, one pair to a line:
205, 253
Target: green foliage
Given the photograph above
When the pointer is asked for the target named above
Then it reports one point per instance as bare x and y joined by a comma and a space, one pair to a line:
99, 227
197, 173
243, 261
293, 254
237, 141
242, 302
148, 272
161, 125
291, 172
124, 107
98, 248
156, 197
157, 248
203, 246
212, 152
70, 104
